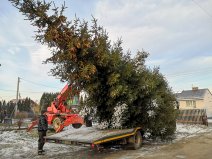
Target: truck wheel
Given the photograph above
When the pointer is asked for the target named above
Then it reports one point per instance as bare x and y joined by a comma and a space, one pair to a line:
135, 141
88, 120
57, 122
76, 126
88, 123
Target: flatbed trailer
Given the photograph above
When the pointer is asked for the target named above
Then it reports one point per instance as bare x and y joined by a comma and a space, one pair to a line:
96, 138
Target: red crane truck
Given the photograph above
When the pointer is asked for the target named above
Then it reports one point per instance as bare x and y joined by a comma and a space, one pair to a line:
58, 115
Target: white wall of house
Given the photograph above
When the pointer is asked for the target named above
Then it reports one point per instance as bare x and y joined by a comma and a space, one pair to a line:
205, 103
208, 103
194, 104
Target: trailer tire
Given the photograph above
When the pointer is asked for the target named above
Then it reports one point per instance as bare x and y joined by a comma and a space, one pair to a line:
135, 141
88, 120
57, 122
77, 125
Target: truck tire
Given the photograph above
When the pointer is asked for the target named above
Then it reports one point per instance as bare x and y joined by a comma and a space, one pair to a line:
88, 123
88, 120
135, 141
77, 125
57, 122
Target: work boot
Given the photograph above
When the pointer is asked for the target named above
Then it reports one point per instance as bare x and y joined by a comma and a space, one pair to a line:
43, 150
40, 152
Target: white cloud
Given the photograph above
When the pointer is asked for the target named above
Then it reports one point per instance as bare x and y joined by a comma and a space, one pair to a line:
22, 57
204, 61
14, 50
38, 54
159, 27
156, 62
177, 34
1, 41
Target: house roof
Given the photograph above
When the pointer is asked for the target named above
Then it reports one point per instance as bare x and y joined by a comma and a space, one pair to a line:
192, 94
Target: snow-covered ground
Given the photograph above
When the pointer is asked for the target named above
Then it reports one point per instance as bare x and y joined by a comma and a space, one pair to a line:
20, 144
187, 130
210, 120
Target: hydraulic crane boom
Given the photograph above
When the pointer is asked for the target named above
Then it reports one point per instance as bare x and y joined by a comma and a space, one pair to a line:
63, 95
59, 115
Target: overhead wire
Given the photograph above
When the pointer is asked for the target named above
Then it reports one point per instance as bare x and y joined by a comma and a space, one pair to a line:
189, 73
38, 84
6, 90
35, 83
202, 8
173, 75
1, 97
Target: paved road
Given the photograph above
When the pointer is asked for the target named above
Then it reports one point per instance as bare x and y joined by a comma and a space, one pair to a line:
199, 147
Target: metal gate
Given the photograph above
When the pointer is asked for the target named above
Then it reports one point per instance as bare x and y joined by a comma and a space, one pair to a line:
192, 116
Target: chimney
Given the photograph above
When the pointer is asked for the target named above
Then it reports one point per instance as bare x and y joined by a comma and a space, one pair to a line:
194, 88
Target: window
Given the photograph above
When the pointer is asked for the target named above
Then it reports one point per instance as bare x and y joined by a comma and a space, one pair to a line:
191, 103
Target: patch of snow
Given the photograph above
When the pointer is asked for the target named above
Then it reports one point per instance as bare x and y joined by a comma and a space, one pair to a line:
209, 120
103, 125
117, 118
154, 103
180, 156
151, 113
163, 131
190, 130
19, 144
13, 142
88, 111
147, 134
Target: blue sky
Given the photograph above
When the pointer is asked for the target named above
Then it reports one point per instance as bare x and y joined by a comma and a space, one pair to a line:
176, 33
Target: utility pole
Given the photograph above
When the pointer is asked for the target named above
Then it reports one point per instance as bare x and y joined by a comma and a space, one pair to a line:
17, 93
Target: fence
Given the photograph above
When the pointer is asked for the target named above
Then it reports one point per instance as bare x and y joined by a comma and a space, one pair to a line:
192, 116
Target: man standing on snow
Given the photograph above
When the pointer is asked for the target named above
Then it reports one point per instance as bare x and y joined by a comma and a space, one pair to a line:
42, 128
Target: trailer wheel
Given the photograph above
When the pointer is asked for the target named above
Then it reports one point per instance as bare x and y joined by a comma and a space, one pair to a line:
57, 122
76, 126
135, 141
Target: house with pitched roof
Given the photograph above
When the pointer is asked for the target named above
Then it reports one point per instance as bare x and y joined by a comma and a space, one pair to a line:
195, 99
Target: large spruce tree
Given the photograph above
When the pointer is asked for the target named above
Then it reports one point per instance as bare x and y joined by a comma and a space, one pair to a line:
83, 55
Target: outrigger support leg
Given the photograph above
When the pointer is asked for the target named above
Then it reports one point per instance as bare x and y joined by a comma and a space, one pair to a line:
60, 128
35, 122
73, 119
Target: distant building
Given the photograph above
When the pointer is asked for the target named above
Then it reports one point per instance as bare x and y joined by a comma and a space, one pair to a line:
195, 99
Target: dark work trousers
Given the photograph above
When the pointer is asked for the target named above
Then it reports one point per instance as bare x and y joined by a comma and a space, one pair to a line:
41, 140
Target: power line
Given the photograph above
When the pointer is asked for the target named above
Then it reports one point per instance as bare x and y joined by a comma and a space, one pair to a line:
30, 92
202, 8
1, 97
6, 90
38, 84
35, 83
188, 73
